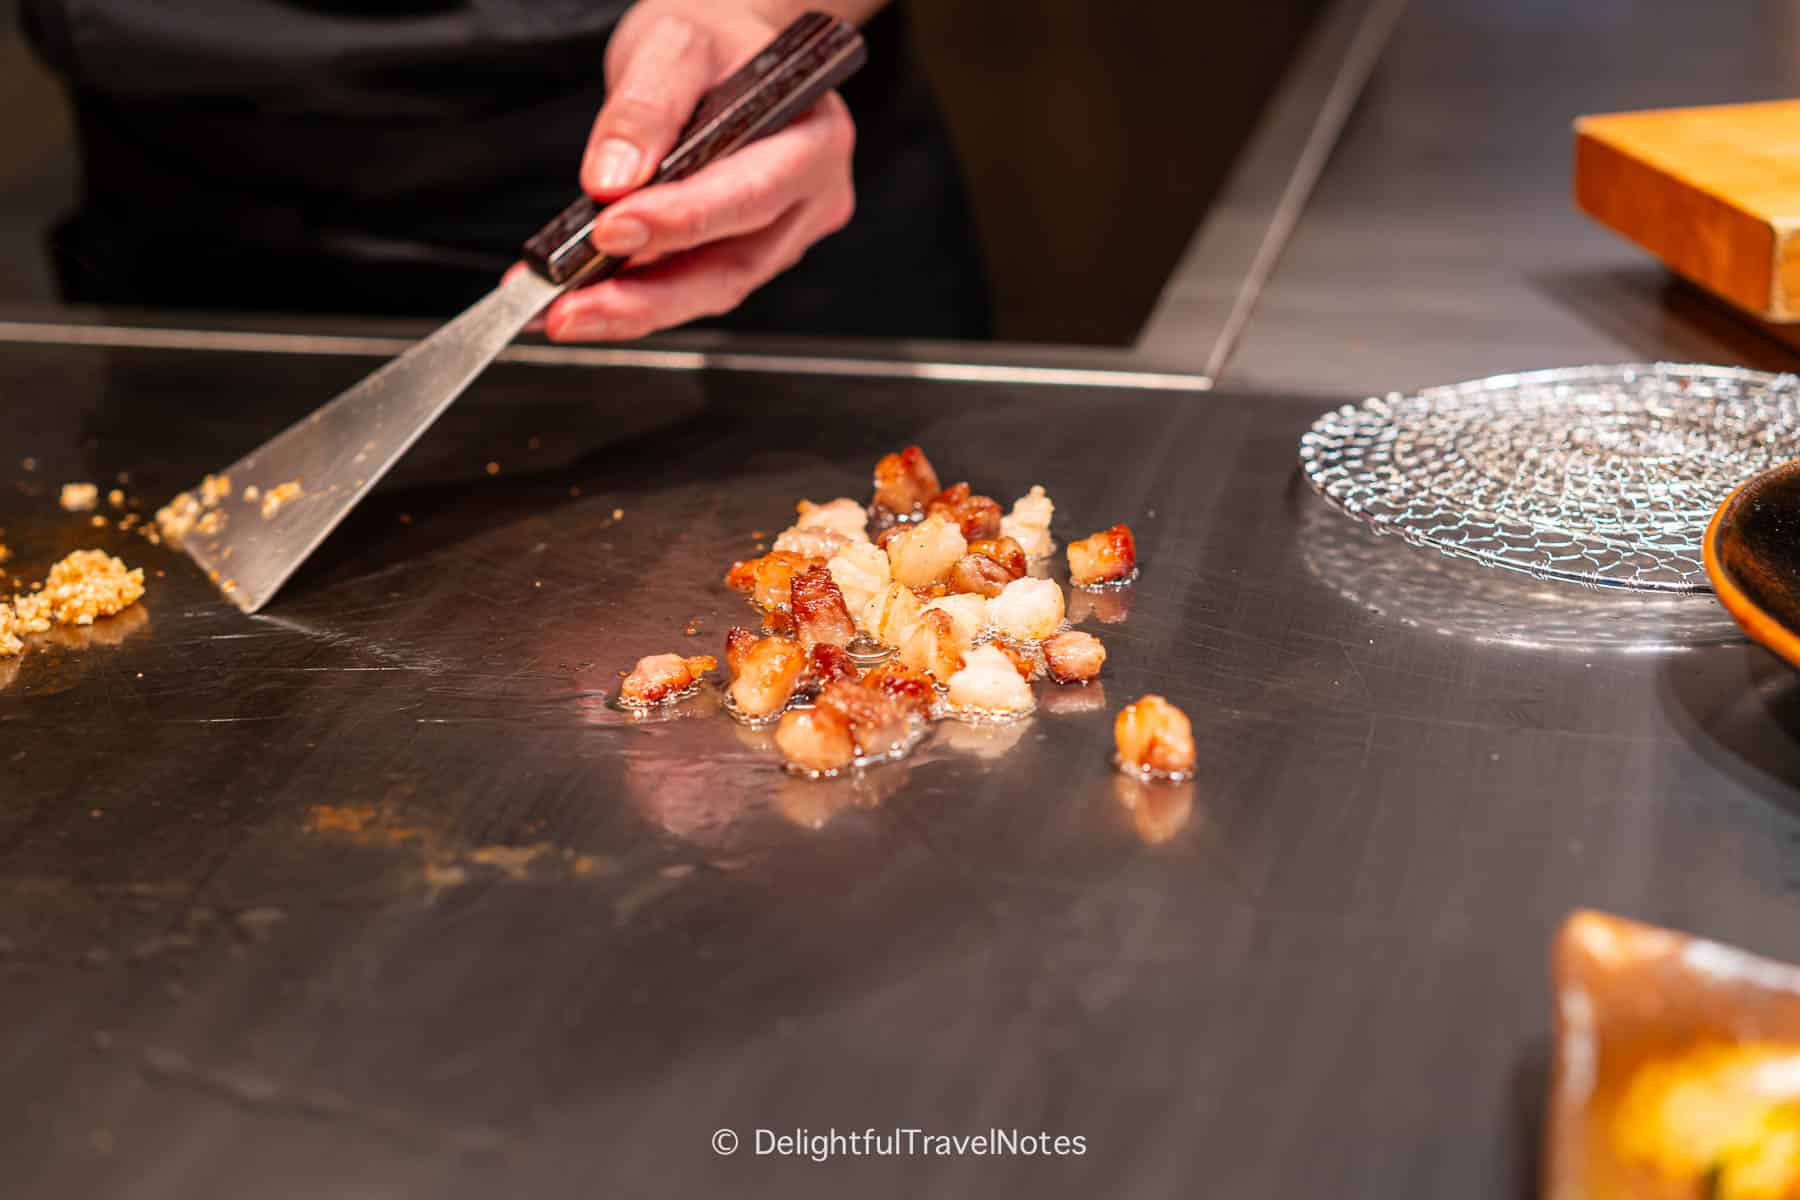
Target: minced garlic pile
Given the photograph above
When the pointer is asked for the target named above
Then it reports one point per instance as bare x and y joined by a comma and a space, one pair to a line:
9, 636
86, 585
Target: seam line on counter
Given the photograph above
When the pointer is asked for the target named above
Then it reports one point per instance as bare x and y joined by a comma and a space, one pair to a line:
129, 337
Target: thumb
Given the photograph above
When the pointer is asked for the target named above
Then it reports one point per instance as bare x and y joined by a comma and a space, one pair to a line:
653, 90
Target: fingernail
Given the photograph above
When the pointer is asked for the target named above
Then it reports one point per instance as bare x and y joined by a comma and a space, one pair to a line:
618, 164
621, 236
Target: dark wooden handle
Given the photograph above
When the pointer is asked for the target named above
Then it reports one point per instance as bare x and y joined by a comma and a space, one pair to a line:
808, 59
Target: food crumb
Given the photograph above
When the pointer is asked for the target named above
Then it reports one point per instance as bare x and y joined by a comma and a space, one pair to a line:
29, 464
78, 497
329, 818
493, 468
276, 497
98, 521
116, 498
251, 492
213, 489
534, 443
406, 518
445, 876
574, 492
176, 518
618, 514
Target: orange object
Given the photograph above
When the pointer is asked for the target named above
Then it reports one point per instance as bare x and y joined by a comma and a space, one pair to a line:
1712, 192
1677, 1073
1753, 561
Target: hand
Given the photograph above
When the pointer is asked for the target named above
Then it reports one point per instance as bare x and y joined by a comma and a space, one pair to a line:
700, 246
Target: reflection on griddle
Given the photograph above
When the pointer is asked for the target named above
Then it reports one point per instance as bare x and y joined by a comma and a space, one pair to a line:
1075, 699
758, 739
54, 661
1463, 599
1109, 605
705, 701
984, 740
811, 804
108, 631
1158, 809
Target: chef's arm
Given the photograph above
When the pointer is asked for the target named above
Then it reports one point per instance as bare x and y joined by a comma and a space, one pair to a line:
700, 246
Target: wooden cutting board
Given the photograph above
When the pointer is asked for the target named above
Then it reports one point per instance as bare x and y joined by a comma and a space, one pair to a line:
1713, 192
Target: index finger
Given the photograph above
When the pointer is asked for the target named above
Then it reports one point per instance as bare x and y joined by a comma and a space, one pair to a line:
657, 88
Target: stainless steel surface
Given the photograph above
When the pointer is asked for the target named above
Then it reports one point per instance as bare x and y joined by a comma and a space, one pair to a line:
338, 453
1442, 242
1602, 476
378, 896
1209, 297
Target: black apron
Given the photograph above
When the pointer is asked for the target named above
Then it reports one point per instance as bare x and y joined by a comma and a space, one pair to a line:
389, 156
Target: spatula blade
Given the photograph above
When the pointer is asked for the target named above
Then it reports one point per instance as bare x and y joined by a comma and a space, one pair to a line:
292, 491
285, 498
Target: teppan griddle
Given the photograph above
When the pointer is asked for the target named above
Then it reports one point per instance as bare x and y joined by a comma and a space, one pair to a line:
375, 895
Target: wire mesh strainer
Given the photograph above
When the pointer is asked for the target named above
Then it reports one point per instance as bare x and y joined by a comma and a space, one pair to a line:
1605, 476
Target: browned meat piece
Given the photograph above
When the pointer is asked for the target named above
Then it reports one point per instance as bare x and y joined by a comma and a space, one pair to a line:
775, 573
979, 575
768, 579
951, 496
816, 544
977, 516
1073, 657
934, 645
742, 575
766, 675
816, 739
1003, 550
1154, 735
780, 622
899, 682
878, 722
826, 664
819, 610
660, 676
924, 553
904, 482
738, 644
1109, 606
1022, 662
1105, 557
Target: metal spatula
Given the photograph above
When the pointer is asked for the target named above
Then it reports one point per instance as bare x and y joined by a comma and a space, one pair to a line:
287, 495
